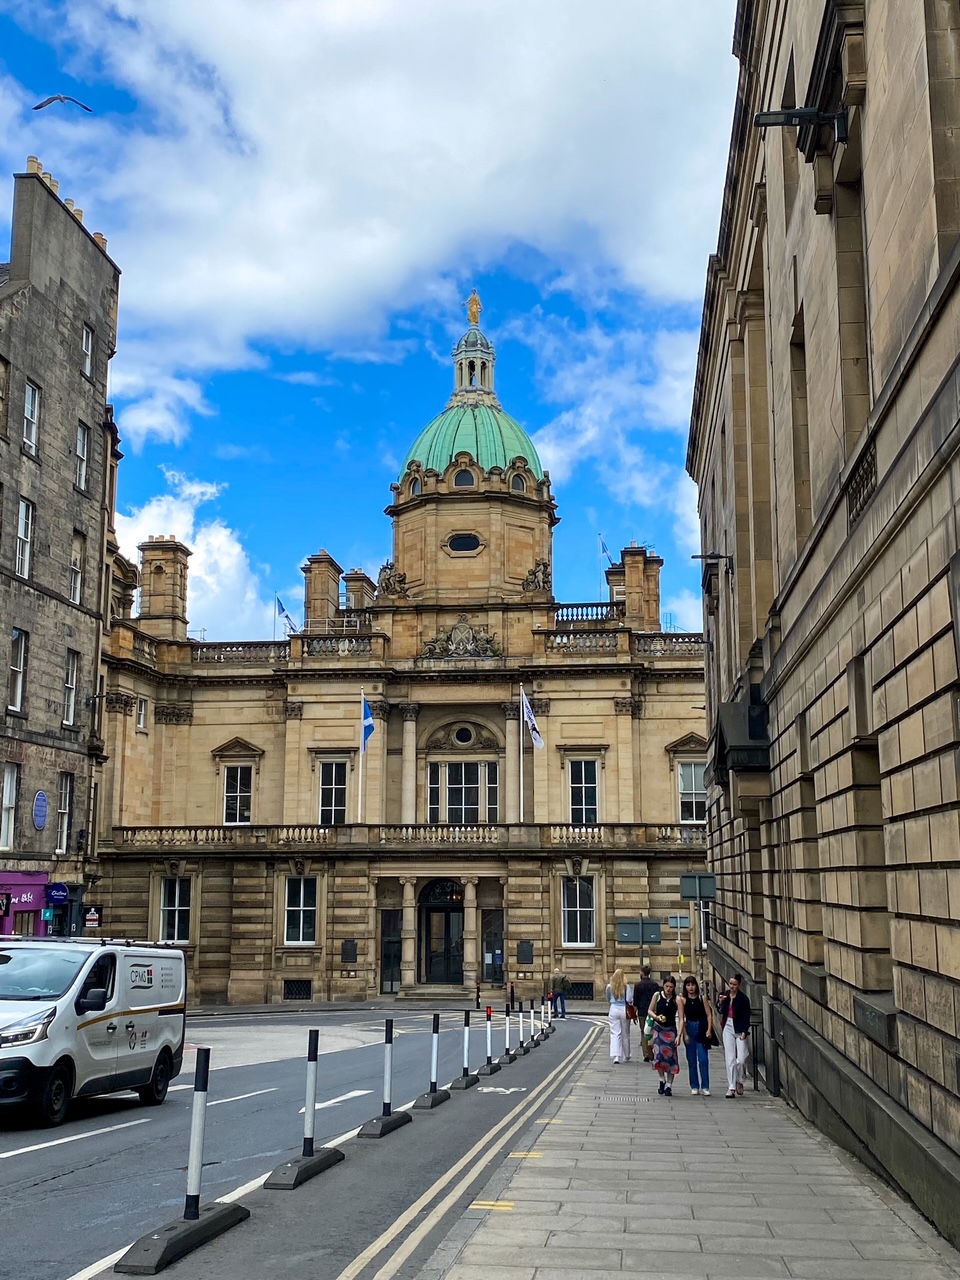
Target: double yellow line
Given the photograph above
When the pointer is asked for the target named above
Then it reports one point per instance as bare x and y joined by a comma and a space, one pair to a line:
476, 1160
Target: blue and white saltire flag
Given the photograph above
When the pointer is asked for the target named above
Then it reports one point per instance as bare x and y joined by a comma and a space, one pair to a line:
604, 550
367, 727
536, 737
288, 622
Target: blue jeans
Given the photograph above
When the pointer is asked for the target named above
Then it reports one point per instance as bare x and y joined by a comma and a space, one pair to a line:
698, 1058
559, 1004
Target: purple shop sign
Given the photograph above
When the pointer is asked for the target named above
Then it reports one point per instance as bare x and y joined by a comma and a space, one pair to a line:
28, 893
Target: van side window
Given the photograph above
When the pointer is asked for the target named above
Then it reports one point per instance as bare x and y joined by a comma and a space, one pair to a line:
103, 974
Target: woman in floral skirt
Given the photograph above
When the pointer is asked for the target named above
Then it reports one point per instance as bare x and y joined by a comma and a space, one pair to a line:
667, 1015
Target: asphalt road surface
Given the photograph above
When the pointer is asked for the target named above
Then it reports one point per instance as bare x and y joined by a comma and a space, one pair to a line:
116, 1169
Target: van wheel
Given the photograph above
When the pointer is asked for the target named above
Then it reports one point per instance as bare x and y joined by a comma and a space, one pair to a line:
55, 1095
153, 1094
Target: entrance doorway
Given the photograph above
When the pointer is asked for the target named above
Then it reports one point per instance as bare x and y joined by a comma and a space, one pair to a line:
440, 935
391, 945
491, 934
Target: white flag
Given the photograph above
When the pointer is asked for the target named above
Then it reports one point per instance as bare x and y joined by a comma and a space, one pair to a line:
536, 737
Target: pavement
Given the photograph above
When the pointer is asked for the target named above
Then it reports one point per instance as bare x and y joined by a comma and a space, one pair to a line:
614, 1179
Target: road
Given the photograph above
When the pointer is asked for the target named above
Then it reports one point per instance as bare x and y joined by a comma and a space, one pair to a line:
115, 1170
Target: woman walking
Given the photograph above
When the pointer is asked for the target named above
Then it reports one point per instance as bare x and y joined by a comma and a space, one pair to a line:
735, 1021
619, 992
667, 1015
697, 1030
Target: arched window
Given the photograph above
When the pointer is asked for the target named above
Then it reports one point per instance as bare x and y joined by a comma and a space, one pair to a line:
415, 489
517, 485
483, 373
464, 480
472, 368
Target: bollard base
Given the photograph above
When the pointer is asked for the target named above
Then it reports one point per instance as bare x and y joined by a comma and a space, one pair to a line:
427, 1101
520, 1050
380, 1126
159, 1249
464, 1082
489, 1069
506, 1058
289, 1176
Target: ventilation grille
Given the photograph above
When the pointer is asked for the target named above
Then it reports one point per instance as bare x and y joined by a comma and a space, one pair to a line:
580, 991
297, 989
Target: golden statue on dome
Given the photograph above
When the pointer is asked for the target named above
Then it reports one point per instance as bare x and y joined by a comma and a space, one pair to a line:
474, 307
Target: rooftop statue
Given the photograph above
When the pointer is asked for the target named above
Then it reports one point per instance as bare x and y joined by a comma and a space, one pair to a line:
474, 307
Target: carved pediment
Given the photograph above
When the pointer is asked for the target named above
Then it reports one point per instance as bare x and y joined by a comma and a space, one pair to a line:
237, 751
690, 743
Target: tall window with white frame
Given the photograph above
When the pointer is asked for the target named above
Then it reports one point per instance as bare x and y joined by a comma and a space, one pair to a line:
175, 896
71, 678
693, 791
82, 454
464, 792
301, 919
31, 419
237, 794
8, 804
26, 521
64, 811
86, 342
579, 911
78, 553
333, 793
18, 670
142, 714
584, 788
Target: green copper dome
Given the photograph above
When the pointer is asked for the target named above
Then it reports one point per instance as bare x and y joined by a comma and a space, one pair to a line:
490, 436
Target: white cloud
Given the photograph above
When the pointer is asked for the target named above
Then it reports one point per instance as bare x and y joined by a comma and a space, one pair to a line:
223, 591
685, 609
295, 171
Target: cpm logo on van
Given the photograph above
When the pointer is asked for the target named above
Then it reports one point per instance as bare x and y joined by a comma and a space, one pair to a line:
141, 977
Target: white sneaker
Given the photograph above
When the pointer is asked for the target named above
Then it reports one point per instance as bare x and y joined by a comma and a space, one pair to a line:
730, 1094
705, 1092
694, 1092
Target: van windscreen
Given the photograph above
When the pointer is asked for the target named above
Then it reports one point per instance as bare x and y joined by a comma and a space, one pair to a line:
37, 973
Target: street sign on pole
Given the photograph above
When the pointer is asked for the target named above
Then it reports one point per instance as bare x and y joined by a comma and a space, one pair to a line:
694, 888
679, 922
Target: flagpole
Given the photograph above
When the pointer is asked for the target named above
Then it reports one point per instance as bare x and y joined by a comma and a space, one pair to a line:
600, 564
521, 753
276, 610
360, 766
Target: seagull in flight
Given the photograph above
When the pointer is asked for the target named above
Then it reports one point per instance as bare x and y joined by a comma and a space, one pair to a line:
61, 97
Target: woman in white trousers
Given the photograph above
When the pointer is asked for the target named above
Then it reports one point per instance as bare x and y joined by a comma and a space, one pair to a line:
735, 1055
619, 992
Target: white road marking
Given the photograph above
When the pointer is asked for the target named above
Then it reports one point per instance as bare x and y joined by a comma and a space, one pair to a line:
495, 1089
240, 1097
344, 1097
97, 1268
73, 1137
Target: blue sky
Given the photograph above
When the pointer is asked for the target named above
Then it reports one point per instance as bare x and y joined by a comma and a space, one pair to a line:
300, 196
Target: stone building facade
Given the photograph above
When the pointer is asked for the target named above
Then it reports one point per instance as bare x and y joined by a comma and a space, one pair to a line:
241, 819
826, 447
58, 460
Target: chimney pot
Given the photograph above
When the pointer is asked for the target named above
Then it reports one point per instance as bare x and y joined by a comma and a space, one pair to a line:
78, 214
69, 204
101, 240
34, 165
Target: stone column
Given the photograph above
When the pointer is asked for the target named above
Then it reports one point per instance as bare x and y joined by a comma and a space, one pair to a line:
469, 931
511, 763
408, 767
408, 934
375, 766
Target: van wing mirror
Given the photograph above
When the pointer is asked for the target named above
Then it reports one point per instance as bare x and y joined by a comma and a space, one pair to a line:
95, 1001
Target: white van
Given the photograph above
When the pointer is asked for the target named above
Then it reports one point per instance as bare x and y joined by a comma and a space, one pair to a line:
88, 1017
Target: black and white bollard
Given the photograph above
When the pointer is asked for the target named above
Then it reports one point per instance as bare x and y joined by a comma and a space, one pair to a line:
513, 998
434, 1096
533, 1041
389, 1119
159, 1249
467, 1080
289, 1176
522, 1047
508, 1054
550, 1027
490, 1067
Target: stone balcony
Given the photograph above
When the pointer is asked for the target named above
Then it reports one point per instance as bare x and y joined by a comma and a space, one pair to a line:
366, 840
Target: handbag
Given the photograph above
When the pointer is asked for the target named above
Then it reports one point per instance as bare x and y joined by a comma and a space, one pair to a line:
631, 1012
712, 1041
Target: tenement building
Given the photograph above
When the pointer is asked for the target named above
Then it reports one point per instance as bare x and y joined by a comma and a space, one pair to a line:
58, 459
242, 819
826, 446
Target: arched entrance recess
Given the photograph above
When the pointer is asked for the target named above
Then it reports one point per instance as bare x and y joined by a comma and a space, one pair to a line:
440, 933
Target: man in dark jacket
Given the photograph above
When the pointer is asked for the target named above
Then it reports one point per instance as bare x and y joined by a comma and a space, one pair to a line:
643, 993
561, 985
735, 1020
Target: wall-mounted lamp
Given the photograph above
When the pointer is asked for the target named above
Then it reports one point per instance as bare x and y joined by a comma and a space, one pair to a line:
715, 557
800, 116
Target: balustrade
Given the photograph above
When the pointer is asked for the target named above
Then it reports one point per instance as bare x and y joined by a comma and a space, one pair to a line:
582, 642
604, 611
259, 651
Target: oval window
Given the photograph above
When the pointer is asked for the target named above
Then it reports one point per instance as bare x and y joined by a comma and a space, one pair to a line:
517, 485
464, 480
464, 542
464, 736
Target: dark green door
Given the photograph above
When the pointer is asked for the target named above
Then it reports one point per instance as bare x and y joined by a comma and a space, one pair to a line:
391, 926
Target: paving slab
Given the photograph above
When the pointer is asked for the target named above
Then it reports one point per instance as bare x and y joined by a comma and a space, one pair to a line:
685, 1188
